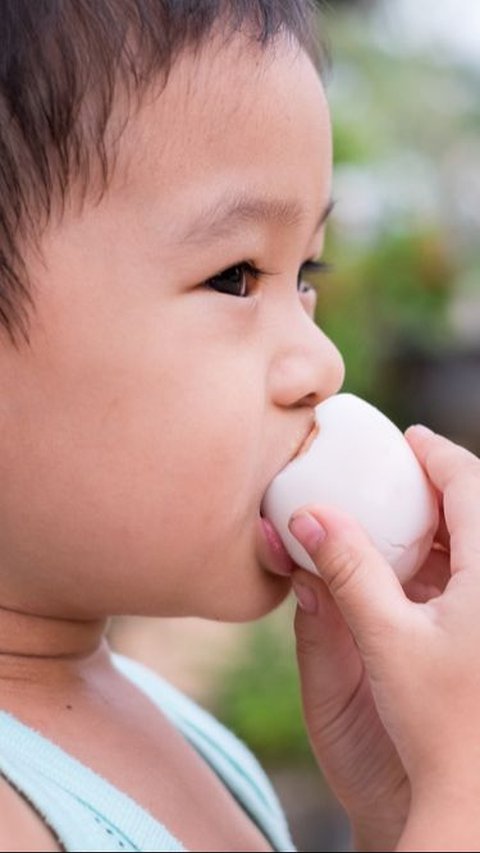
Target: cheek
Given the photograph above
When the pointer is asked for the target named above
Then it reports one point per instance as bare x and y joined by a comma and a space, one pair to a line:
211, 458
129, 454
120, 479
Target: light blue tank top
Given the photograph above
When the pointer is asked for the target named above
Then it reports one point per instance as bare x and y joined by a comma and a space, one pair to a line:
87, 813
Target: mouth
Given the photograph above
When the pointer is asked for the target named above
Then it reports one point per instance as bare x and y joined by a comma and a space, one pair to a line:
307, 441
271, 550
274, 554
299, 450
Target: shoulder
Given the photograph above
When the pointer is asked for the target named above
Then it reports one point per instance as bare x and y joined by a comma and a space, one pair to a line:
21, 827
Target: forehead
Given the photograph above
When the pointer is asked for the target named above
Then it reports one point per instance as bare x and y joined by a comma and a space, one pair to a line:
233, 117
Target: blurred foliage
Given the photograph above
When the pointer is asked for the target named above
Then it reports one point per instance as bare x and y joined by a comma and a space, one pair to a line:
259, 696
403, 240
396, 288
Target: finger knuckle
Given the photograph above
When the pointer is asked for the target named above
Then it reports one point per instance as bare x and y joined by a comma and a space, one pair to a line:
306, 644
340, 567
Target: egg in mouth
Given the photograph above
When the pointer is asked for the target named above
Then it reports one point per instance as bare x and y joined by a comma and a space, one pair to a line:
308, 441
356, 459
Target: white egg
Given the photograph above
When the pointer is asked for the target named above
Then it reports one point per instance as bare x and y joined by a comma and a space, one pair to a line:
361, 463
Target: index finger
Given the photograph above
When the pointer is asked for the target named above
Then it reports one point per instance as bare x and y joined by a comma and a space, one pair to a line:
455, 472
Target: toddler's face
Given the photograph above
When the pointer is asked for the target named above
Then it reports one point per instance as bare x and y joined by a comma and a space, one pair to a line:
143, 426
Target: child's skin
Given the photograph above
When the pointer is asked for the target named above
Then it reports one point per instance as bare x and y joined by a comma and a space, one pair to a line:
139, 433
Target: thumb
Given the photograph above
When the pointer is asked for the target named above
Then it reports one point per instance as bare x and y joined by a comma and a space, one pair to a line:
360, 580
330, 667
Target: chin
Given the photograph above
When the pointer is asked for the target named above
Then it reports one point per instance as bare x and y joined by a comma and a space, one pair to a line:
251, 603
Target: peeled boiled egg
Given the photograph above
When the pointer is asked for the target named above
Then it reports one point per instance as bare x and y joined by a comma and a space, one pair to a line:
361, 463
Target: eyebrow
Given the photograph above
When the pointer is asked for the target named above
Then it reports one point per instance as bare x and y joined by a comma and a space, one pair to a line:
222, 218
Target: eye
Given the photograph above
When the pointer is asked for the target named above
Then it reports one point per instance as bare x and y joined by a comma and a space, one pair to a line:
311, 268
235, 280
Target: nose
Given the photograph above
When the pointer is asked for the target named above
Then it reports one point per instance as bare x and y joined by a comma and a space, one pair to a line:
307, 367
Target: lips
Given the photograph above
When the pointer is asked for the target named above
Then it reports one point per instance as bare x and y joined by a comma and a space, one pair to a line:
308, 440
271, 550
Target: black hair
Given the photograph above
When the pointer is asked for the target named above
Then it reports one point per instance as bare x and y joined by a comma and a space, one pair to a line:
60, 63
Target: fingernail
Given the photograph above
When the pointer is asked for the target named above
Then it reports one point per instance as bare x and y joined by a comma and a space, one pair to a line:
306, 597
307, 530
422, 430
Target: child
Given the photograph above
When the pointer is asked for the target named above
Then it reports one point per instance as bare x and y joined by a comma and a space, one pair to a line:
165, 174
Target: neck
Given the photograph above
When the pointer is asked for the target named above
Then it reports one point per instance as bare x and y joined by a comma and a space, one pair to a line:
48, 663
36, 637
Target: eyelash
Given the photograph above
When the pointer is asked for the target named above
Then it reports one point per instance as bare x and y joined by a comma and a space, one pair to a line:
246, 268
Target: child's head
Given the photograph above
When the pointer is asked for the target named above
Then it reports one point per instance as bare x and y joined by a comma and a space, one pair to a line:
162, 385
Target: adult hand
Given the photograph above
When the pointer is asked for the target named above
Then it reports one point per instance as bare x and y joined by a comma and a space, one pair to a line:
390, 704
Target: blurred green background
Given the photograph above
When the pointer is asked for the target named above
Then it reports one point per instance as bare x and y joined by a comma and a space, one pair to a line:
403, 306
